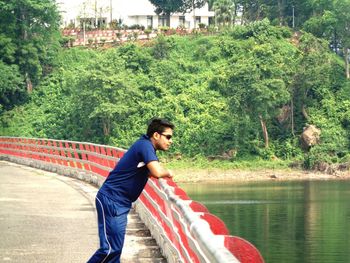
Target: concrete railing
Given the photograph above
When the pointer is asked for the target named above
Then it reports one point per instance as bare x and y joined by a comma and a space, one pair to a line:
184, 229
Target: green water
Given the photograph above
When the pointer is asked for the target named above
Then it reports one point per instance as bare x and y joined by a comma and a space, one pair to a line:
306, 221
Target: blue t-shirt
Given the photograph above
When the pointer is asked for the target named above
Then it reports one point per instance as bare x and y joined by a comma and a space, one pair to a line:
126, 181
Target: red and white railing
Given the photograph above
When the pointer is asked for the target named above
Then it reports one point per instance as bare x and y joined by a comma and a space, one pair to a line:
184, 229
92, 161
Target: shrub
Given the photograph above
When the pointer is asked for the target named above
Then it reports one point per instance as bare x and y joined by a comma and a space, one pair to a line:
202, 26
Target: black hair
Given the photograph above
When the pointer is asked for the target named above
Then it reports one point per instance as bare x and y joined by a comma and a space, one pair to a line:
158, 125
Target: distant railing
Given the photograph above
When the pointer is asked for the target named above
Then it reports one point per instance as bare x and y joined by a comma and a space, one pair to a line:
184, 229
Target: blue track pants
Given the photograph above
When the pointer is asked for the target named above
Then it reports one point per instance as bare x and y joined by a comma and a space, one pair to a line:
112, 221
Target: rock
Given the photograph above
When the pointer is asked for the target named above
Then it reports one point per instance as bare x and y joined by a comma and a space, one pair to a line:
274, 158
228, 155
296, 165
178, 156
322, 166
343, 166
310, 136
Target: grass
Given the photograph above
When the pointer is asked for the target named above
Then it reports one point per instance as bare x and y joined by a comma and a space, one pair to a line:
242, 164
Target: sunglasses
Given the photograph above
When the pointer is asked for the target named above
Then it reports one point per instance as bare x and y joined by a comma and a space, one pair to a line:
168, 136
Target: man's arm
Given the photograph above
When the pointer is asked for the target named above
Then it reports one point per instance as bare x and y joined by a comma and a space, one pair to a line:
156, 170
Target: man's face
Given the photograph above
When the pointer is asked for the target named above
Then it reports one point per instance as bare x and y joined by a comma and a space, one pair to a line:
164, 139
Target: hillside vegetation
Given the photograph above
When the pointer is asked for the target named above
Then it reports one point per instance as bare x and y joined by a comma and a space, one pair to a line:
245, 93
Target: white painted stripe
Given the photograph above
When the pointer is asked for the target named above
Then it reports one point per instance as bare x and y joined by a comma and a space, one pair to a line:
199, 228
104, 227
141, 164
170, 224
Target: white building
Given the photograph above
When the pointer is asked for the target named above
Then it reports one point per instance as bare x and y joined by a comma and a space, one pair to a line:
131, 12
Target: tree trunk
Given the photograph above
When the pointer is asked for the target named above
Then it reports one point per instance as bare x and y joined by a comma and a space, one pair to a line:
264, 130
245, 14
194, 15
95, 14
292, 115
242, 16
29, 83
280, 12
22, 20
258, 13
304, 112
23, 15
335, 42
234, 13
168, 20
346, 57
106, 127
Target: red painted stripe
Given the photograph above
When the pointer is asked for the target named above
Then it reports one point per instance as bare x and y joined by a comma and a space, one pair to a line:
217, 226
198, 207
244, 251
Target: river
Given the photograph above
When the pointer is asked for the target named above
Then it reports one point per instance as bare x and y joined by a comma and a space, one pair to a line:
289, 222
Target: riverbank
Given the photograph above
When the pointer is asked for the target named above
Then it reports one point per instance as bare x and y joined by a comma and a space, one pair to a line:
183, 175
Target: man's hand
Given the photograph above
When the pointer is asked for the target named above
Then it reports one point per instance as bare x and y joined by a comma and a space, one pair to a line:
171, 174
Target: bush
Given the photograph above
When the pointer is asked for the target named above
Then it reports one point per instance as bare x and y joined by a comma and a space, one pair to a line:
161, 47
260, 30
317, 156
137, 26
148, 31
288, 149
64, 41
202, 26
90, 41
212, 87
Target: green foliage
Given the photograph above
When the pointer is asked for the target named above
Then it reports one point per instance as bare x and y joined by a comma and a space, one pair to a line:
218, 90
318, 155
320, 25
135, 58
162, 47
251, 163
105, 96
180, 6
12, 88
288, 149
7, 49
331, 22
29, 42
260, 31
257, 77
224, 12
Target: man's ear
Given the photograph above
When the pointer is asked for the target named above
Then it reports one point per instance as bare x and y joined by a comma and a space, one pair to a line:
156, 136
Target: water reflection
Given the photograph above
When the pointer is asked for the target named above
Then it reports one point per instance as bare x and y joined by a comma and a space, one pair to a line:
304, 221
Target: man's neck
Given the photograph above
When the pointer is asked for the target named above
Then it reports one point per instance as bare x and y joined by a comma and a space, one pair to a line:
153, 143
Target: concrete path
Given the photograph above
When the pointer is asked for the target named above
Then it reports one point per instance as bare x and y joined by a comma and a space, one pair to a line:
46, 217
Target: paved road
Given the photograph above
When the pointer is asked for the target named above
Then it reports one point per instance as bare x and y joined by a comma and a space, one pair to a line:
44, 217
48, 218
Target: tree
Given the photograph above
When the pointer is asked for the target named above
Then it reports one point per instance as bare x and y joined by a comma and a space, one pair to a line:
342, 14
279, 12
330, 20
224, 12
11, 86
30, 29
313, 76
257, 77
104, 96
253, 10
166, 7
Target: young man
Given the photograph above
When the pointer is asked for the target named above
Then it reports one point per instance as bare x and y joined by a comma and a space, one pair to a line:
123, 186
